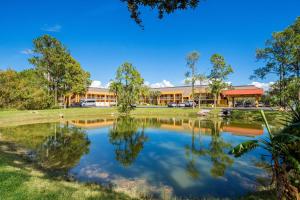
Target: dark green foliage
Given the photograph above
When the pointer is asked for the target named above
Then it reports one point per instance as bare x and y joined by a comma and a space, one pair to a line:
163, 7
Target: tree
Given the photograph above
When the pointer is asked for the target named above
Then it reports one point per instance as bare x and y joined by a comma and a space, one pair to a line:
191, 75
163, 7
201, 78
129, 85
49, 62
281, 56
62, 74
218, 75
145, 92
154, 94
22, 90
115, 87
33, 95
8, 95
76, 80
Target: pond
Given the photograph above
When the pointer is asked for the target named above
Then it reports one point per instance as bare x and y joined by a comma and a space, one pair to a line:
159, 157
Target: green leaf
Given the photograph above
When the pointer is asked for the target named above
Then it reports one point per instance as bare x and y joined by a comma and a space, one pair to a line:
244, 147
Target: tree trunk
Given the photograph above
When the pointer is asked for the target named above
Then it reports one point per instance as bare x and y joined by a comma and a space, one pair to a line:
199, 101
55, 94
280, 87
215, 100
283, 187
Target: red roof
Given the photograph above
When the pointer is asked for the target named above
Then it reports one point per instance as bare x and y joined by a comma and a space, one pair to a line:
238, 92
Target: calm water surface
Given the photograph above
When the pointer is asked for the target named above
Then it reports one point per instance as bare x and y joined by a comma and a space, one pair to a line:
157, 156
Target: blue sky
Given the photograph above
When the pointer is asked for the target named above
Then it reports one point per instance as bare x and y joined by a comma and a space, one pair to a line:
101, 35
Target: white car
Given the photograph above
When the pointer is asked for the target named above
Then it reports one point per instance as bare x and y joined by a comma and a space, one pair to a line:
88, 103
181, 105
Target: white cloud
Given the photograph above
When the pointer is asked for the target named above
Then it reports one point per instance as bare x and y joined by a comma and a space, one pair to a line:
27, 52
161, 84
265, 86
107, 84
96, 84
206, 82
56, 28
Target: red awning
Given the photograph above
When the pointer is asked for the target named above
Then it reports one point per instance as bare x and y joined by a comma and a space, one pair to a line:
240, 92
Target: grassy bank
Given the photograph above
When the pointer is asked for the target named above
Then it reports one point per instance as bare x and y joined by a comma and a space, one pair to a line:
16, 117
20, 179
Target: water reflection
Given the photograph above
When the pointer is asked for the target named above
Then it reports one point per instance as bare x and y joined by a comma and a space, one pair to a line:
64, 148
216, 150
186, 157
185, 125
127, 136
54, 146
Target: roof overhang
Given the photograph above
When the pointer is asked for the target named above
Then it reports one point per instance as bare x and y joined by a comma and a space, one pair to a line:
243, 92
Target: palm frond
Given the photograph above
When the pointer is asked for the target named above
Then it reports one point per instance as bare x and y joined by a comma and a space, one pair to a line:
266, 123
284, 138
295, 114
295, 164
244, 147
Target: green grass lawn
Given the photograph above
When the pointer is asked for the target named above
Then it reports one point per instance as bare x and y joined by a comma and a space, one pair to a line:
16, 117
21, 180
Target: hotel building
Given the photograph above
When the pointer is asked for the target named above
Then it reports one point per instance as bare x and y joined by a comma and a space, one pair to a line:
180, 94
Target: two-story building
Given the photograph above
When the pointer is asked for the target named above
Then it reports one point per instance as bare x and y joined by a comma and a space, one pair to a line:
179, 94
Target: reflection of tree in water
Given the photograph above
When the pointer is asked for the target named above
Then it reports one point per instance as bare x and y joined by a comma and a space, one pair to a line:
64, 149
219, 158
127, 139
192, 152
217, 150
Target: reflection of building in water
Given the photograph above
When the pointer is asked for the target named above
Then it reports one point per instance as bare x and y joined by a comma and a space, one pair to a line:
95, 123
183, 125
205, 126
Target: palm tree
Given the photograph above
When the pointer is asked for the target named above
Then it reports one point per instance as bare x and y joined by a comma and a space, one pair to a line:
281, 148
115, 88
201, 78
191, 75
154, 94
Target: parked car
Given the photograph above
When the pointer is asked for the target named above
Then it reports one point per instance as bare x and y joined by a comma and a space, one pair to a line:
181, 105
172, 105
248, 104
239, 104
261, 105
190, 104
88, 103
133, 105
